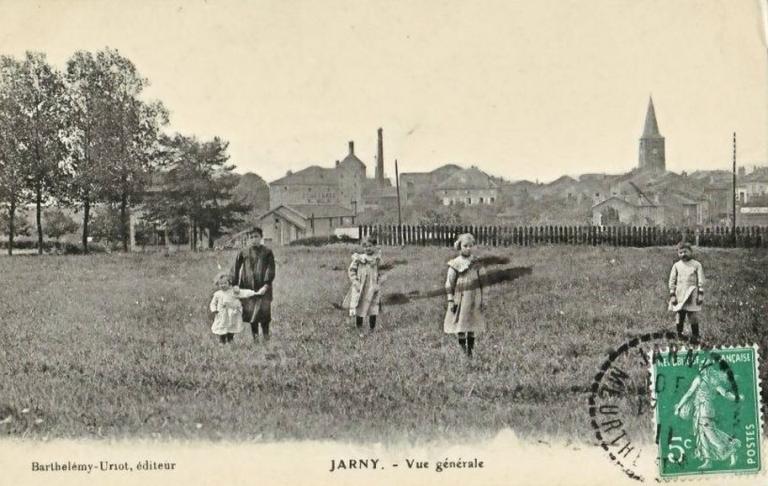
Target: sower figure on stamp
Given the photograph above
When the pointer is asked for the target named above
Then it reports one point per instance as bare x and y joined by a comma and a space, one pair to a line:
254, 269
463, 285
686, 290
698, 403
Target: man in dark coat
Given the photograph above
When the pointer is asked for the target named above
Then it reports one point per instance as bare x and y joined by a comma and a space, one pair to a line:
254, 269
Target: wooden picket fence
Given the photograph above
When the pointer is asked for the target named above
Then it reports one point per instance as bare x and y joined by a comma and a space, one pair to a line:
637, 236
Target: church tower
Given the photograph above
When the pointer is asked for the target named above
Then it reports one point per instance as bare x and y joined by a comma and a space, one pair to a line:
651, 143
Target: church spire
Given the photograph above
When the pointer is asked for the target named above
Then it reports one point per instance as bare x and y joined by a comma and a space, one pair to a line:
651, 127
652, 143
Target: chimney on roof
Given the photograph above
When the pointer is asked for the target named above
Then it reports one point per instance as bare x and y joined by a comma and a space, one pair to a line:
380, 157
351, 147
337, 163
290, 172
742, 171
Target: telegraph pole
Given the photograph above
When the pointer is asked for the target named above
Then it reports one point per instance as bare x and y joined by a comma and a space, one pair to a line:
397, 184
733, 213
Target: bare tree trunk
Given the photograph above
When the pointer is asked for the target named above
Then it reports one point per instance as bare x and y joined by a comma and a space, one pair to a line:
11, 225
86, 215
194, 236
210, 239
38, 217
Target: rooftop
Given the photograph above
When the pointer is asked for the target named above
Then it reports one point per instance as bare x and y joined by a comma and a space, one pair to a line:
472, 178
313, 174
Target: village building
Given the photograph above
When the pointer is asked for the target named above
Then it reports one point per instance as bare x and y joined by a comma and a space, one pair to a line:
752, 197
379, 196
413, 184
284, 224
617, 210
344, 185
315, 201
341, 185
753, 185
469, 187
653, 198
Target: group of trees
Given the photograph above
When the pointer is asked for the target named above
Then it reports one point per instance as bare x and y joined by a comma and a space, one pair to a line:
85, 137
196, 188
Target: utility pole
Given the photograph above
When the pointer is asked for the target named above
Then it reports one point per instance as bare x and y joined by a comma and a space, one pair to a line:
397, 184
733, 209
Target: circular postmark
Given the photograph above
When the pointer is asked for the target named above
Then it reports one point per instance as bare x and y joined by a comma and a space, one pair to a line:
622, 394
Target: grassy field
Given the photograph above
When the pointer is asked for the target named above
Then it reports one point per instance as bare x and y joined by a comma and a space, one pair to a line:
120, 345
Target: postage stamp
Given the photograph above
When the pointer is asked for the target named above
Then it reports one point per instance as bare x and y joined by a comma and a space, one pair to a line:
707, 411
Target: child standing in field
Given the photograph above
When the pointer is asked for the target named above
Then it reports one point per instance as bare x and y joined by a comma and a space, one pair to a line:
686, 289
229, 311
463, 286
363, 298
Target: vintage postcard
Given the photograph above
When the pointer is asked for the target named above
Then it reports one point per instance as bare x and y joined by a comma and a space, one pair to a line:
349, 242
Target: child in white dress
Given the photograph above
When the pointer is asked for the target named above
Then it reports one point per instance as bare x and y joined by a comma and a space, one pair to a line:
364, 297
228, 308
464, 288
686, 289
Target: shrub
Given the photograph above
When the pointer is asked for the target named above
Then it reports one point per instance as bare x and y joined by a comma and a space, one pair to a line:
66, 248
322, 240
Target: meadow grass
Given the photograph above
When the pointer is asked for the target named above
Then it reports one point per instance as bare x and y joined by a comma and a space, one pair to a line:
120, 346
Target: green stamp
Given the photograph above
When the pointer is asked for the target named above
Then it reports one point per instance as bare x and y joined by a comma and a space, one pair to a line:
707, 411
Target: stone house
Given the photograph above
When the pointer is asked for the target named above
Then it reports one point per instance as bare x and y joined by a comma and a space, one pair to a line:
752, 186
469, 186
413, 184
341, 185
616, 210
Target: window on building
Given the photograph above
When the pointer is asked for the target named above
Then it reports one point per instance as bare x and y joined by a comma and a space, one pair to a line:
481, 200
469, 200
493, 199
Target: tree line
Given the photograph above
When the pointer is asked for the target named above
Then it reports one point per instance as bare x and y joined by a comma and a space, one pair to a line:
85, 136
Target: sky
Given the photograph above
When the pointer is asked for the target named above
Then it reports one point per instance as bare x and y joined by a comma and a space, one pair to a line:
522, 89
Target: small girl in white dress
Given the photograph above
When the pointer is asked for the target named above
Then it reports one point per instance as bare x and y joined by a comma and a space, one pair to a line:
229, 311
364, 296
